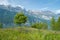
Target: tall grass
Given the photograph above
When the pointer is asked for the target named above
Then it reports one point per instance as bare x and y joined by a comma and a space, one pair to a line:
28, 34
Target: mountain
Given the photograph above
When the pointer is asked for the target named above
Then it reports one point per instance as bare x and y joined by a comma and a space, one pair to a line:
7, 13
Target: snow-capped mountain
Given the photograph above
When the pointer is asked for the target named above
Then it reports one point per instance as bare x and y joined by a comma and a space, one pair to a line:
7, 13
47, 15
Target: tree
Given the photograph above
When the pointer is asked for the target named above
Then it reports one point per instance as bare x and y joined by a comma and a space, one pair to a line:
58, 24
1, 25
20, 18
40, 25
52, 23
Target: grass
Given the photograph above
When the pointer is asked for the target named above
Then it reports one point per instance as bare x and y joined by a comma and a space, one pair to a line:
28, 34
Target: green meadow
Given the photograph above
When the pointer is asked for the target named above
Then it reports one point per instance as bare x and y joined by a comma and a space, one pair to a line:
23, 33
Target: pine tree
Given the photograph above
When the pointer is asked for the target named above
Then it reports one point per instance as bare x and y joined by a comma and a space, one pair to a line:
1, 25
58, 24
52, 25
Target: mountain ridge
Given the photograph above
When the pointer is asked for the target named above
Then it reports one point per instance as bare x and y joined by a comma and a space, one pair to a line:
8, 12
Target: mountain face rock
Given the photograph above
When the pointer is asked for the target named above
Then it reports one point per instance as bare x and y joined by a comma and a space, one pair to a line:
7, 13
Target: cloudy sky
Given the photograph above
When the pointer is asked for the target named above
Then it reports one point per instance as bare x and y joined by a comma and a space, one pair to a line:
35, 4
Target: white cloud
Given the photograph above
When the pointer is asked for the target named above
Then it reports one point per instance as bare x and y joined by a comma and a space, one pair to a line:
45, 8
57, 11
5, 2
18, 6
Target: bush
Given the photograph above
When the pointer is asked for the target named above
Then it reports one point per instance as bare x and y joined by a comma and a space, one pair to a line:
1, 25
40, 25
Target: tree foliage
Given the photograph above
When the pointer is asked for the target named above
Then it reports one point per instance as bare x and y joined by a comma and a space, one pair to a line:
55, 25
20, 18
58, 24
52, 23
40, 25
1, 25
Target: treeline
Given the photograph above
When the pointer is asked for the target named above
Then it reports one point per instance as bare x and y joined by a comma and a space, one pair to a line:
21, 19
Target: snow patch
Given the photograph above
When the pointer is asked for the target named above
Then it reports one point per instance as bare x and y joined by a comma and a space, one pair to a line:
46, 17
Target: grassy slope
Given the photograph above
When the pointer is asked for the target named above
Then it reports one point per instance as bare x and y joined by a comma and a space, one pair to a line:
28, 34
